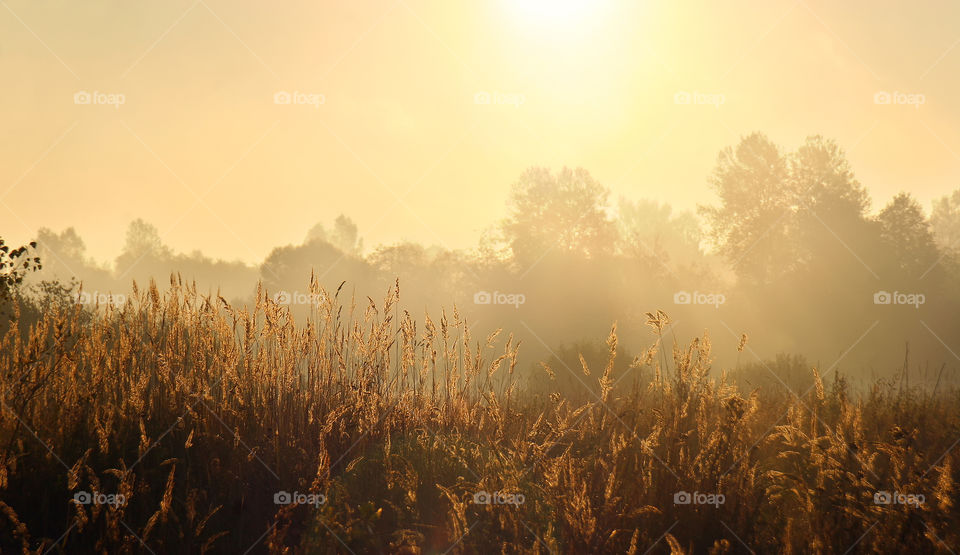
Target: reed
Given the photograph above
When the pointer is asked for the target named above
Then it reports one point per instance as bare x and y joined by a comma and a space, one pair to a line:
199, 414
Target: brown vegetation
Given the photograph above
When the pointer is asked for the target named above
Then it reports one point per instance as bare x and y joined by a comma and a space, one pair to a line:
199, 412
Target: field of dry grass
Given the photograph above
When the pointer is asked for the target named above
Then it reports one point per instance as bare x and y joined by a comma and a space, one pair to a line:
180, 424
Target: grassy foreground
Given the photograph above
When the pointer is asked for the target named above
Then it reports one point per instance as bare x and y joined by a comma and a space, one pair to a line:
180, 424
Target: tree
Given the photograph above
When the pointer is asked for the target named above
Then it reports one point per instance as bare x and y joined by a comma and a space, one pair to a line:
404, 259
67, 244
344, 235
945, 222
565, 213
751, 227
796, 214
65, 253
290, 267
142, 242
15, 264
907, 237
651, 233
823, 181
832, 228
429, 276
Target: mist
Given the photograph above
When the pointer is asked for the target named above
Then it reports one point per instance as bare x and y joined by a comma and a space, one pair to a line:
515, 276
788, 251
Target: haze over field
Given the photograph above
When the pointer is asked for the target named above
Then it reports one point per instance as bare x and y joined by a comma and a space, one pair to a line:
399, 143
517, 276
230, 130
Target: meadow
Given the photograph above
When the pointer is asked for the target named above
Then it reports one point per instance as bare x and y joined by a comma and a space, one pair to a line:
180, 423
514, 276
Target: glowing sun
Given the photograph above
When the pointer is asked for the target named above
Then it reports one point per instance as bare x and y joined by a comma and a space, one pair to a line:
553, 12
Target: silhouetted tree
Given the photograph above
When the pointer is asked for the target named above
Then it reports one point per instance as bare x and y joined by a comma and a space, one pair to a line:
289, 268
143, 244
945, 222
565, 213
14, 265
402, 259
833, 233
67, 244
906, 234
751, 226
344, 235
823, 181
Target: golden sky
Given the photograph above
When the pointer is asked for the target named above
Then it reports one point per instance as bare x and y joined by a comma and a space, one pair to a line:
414, 118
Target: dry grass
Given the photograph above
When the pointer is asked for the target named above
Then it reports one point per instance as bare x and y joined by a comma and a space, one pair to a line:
199, 412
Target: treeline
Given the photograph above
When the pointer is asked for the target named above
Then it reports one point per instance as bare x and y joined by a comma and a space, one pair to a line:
789, 252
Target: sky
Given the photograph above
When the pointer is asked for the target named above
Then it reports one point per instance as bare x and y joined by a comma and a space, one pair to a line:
235, 126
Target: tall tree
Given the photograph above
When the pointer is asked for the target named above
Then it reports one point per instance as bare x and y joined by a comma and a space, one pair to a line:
906, 234
562, 213
344, 235
823, 181
143, 245
945, 222
832, 228
751, 226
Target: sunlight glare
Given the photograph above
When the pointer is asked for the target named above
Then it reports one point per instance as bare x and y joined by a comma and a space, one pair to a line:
552, 12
